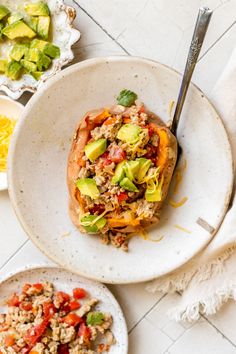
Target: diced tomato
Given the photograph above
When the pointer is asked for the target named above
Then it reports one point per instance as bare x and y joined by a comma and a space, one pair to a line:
9, 340
14, 301
26, 305
26, 288
38, 287
151, 151
99, 208
106, 158
84, 332
34, 334
117, 155
74, 305
79, 293
48, 310
110, 121
122, 197
142, 109
72, 319
150, 130
62, 297
63, 349
65, 308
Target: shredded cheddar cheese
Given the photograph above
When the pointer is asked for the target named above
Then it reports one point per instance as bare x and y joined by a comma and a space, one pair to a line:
178, 204
182, 229
7, 126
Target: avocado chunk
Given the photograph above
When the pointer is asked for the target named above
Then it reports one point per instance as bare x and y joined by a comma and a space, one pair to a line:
119, 173
28, 65
37, 9
131, 169
43, 26
18, 29
3, 65
3, 11
33, 55
18, 51
144, 165
87, 186
33, 23
52, 50
95, 149
129, 133
13, 70
128, 185
43, 62
1, 28
90, 225
38, 44
13, 18
37, 75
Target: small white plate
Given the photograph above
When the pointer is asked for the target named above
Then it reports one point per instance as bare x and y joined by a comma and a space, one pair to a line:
66, 281
11, 109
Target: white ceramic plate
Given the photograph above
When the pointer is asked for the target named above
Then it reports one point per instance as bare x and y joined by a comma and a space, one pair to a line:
38, 163
11, 109
66, 281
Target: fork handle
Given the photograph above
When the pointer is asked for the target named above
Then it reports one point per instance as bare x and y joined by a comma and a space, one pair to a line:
200, 30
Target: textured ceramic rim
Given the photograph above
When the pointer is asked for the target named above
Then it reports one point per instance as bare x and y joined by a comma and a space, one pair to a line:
69, 70
101, 286
75, 36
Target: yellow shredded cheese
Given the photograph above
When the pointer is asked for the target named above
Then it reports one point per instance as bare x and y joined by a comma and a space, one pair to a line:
170, 109
142, 233
178, 204
7, 126
182, 229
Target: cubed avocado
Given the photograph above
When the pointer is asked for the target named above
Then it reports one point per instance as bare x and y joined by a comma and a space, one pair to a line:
43, 62
37, 75
95, 149
38, 44
28, 65
13, 70
33, 55
43, 26
3, 11
87, 186
87, 221
119, 173
129, 133
128, 185
18, 29
37, 9
144, 165
51, 50
131, 169
3, 65
13, 18
18, 51
32, 22
1, 28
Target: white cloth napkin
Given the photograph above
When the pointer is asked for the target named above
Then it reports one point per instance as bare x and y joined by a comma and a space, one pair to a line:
209, 279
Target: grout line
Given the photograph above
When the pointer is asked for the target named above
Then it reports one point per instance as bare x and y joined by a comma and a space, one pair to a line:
217, 329
151, 308
14, 254
102, 28
216, 41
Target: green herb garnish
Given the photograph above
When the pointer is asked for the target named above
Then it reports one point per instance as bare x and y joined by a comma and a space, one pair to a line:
127, 98
95, 318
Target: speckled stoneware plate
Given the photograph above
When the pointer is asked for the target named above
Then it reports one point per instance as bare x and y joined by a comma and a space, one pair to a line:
38, 162
62, 34
66, 281
11, 109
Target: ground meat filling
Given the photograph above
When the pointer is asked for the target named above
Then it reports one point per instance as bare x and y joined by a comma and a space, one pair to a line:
41, 320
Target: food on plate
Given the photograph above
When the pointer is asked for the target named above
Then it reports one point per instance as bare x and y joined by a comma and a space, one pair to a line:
27, 32
119, 170
7, 126
43, 320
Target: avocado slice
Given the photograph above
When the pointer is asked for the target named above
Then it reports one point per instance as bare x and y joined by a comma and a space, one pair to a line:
3, 11
18, 29
95, 149
131, 169
18, 51
37, 9
128, 185
33, 55
43, 62
87, 186
13, 70
32, 22
43, 26
88, 219
129, 133
52, 50
13, 18
36, 75
28, 65
144, 165
119, 173
3, 65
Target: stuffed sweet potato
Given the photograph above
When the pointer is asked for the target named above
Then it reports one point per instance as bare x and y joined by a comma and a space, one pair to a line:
119, 170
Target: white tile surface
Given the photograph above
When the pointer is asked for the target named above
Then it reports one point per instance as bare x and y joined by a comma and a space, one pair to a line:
161, 30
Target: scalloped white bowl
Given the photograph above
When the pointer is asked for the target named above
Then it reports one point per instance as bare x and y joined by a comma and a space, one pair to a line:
63, 35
